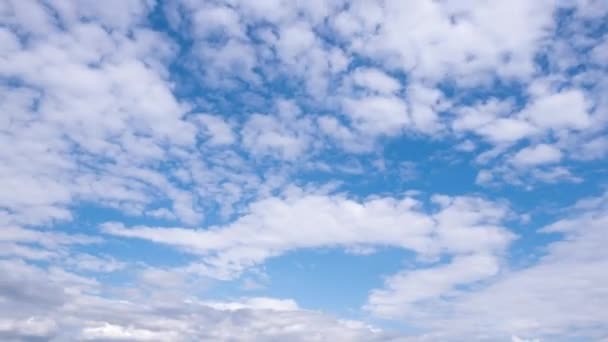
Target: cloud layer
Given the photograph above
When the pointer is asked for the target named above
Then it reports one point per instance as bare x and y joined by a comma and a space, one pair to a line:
156, 153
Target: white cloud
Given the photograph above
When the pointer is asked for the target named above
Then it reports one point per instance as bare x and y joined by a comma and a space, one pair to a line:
425, 103
97, 110
566, 109
559, 297
555, 174
600, 53
93, 263
31, 328
506, 130
594, 149
294, 41
274, 226
466, 146
285, 137
518, 339
347, 138
54, 305
475, 116
376, 115
13, 233
375, 80
114, 332
403, 292
484, 177
435, 39
74, 137
256, 303
219, 130
537, 155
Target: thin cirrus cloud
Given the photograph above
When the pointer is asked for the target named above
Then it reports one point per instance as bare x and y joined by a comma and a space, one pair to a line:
167, 166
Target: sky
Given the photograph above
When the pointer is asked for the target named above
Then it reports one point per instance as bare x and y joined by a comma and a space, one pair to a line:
373, 170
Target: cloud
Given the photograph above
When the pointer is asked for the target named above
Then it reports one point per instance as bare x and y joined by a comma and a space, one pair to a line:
434, 39
286, 137
518, 339
219, 131
115, 111
72, 309
239, 131
30, 329
560, 297
111, 332
537, 155
506, 130
273, 226
405, 290
377, 114
375, 80
566, 109
258, 303
593, 149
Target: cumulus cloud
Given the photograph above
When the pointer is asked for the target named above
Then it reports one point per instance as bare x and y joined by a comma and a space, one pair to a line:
285, 136
115, 110
567, 109
375, 81
537, 155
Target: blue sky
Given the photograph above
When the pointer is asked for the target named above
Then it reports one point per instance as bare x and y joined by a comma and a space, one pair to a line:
305, 171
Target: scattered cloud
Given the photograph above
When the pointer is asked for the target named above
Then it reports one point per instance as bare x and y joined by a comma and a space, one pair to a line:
152, 150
